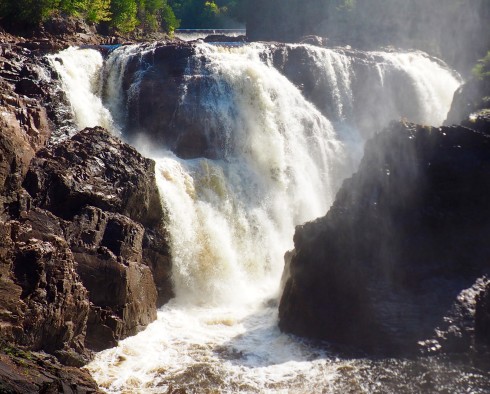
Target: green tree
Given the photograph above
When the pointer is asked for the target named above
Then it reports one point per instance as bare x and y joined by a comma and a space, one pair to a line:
124, 15
97, 10
482, 69
27, 11
169, 21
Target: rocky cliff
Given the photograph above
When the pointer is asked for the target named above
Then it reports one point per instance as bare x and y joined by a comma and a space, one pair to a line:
84, 259
399, 261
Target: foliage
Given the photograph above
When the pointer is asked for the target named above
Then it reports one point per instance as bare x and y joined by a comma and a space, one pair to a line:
122, 15
98, 10
482, 69
202, 14
169, 21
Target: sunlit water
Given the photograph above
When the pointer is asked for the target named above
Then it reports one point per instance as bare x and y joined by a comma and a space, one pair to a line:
196, 34
231, 221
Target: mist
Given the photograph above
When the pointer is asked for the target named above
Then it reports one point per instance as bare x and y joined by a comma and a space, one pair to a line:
455, 30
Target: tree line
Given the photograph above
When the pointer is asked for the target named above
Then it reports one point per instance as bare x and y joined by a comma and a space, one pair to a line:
126, 16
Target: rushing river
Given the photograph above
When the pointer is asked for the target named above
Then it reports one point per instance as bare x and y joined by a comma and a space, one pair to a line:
231, 219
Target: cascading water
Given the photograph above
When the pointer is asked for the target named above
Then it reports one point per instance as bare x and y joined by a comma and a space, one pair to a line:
231, 216
79, 72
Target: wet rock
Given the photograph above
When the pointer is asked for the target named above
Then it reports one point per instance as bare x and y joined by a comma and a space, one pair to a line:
459, 331
108, 250
178, 126
224, 38
24, 124
23, 371
43, 303
171, 85
28, 87
482, 316
405, 236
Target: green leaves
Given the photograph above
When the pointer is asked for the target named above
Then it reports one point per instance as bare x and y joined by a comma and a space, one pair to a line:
202, 14
124, 15
121, 15
482, 69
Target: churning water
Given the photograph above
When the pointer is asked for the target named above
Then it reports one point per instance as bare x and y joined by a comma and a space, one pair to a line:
232, 219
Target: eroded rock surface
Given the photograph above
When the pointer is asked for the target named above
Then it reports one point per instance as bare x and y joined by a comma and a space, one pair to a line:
106, 193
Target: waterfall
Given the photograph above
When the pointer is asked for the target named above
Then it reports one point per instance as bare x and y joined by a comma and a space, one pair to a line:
277, 161
79, 70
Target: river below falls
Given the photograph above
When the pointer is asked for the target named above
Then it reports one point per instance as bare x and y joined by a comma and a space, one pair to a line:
241, 350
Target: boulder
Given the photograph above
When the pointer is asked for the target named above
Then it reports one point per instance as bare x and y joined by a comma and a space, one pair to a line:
94, 168
105, 194
405, 237
471, 100
108, 250
160, 90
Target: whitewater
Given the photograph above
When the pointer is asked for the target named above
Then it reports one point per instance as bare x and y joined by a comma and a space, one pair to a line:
232, 219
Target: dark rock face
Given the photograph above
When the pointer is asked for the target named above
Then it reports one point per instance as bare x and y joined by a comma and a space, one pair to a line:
73, 273
471, 101
24, 121
482, 315
158, 108
106, 193
405, 236
44, 305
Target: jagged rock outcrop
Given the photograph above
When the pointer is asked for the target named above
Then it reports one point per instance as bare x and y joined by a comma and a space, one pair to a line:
94, 168
106, 195
482, 315
160, 90
24, 121
44, 305
404, 239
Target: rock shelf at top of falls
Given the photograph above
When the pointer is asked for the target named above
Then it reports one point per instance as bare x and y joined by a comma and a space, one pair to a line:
170, 92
